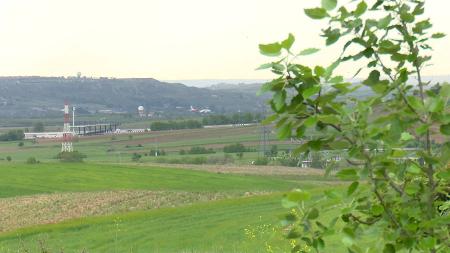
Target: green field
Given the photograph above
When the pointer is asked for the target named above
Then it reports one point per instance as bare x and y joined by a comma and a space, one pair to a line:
110, 204
216, 226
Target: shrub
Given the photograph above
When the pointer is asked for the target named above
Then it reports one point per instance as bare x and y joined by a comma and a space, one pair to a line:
71, 157
32, 160
8, 158
136, 157
21, 144
403, 200
289, 161
234, 148
261, 161
157, 152
182, 152
200, 150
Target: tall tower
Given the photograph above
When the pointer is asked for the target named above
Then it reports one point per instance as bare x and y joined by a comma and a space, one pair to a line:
66, 145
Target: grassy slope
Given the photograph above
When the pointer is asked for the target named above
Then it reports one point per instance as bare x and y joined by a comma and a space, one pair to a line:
207, 227
21, 179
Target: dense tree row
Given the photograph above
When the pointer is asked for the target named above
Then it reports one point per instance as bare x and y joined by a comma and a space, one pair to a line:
12, 135
175, 125
236, 118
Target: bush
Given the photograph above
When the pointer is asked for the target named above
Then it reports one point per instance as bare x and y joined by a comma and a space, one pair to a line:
200, 150
182, 152
289, 161
71, 157
261, 161
157, 152
32, 160
136, 157
8, 158
235, 148
21, 144
187, 160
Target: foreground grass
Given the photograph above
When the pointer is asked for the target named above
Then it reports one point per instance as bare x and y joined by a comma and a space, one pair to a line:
17, 179
25, 211
217, 226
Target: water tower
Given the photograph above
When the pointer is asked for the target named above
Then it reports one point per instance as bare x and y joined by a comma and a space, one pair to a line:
141, 111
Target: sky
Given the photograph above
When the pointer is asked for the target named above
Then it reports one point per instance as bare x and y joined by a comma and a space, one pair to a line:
167, 39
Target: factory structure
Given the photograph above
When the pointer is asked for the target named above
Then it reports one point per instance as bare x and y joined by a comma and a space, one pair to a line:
70, 130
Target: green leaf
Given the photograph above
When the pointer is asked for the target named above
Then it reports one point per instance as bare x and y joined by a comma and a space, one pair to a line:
384, 22
388, 47
269, 119
329, 4
332, 194
264, 66
319, 71
287, 43
422, 129
445, 91
445, 129
435, 104
336, 79
273, 49
339, 145
311, 91
412, 189
413, 169
389, 248
406, 136
374, 77
279, 99
377, 210
285, 131
415, 103
347, 174
316, 13
310, 121
332, 36
360, 9
438, 35
352, 188
309, 51
406, 16
313, 214
293, 198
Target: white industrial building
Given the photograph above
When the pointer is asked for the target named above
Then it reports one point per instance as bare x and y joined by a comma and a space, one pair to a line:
47, 135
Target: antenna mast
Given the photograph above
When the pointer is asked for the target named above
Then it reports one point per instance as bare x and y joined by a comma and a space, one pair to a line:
66, 145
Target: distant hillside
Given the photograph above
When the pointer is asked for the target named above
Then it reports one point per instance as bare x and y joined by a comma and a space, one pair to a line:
43, 96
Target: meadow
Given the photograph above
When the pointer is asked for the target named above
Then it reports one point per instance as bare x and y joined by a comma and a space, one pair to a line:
111, 204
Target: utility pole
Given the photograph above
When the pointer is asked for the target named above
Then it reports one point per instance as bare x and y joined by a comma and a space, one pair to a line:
73, 116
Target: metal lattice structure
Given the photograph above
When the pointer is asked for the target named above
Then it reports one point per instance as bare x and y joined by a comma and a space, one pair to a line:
66, 145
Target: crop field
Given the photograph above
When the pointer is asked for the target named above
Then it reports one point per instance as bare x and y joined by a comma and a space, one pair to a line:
119, 148
109, 203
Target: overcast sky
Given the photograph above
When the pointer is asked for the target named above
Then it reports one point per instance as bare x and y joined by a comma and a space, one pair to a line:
166, 39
